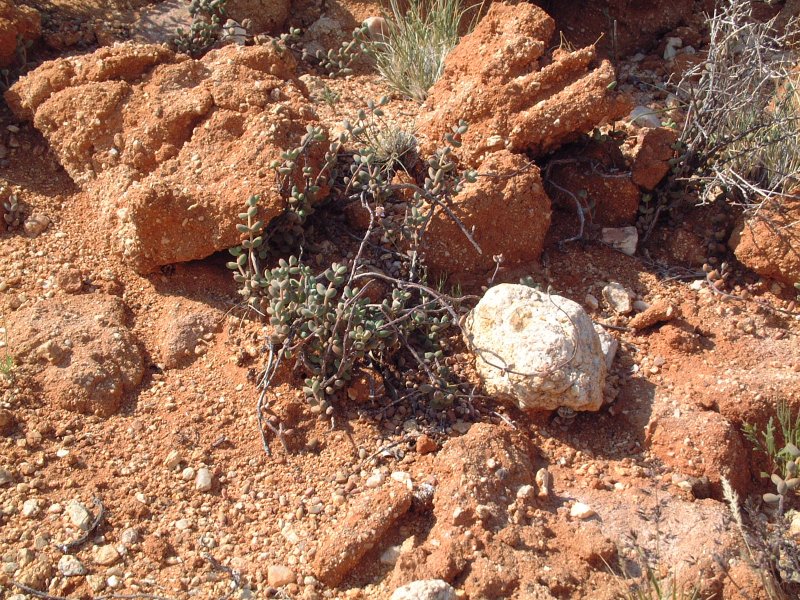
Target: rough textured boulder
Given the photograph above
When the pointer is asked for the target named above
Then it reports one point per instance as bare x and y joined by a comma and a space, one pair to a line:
649, 154
769, 242
171, 147
16, 22
79, 350
184, 329
699, 444
508, 214
500, 80
538, 350
425, 589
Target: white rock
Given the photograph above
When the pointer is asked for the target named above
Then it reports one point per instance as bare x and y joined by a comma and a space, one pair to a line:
203, 481
644, 117
129, 536
624, 239
591, 302
106, 555
173, 459
609, 345
78, 515
69, 566
375, 480
619, 298
390, 555
31, 507
538, 350
404, 478
581, 511
426, 589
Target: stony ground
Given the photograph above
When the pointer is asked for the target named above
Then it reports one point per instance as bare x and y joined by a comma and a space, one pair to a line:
138, 467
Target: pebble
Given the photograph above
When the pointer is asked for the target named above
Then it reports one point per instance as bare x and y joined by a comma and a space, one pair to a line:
644, 117
375, 480
624, 239
79, 515
390, 555
426, 589
544, 480
182, 524
426, 444
96, 582
69, 566
581, 511
618, 298
280, 575
36, 224
5, 476
106, 555
591, 302
129, 536
187, 474
203, 482
173, 459
31, 507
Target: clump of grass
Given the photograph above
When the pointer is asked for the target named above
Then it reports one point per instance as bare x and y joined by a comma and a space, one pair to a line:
743, 110
418, 36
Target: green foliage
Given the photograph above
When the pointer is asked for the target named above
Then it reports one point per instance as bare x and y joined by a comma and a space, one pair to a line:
338, 61
418, 36
784, 460
207, 21
346, 316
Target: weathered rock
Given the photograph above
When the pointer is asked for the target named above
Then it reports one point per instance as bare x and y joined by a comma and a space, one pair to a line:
7, 421
426, 589
69, 566
769, 242
17, 22
506, 215
265, 16
624, 239
203, 482
660, 311
538, 350
280, 575
79, 515
80, 351
618, 298
366, 522
171, 147
608, 344
38, 573
699, 443
106, 555
183, 328
649, 155
511, 100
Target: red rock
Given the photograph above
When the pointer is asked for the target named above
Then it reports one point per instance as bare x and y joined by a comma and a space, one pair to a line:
769, 242
511, 100
170, 147
372, 514
16, 22
508, 215
649, 156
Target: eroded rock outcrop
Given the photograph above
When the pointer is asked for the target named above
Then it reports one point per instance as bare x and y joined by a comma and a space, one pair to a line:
16, 23
514, 96
769, 242
507, 212
538, 350
80, 351
171, 147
